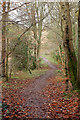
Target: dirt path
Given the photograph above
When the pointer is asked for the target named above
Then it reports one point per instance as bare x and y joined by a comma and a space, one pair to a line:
44, 97
34, 99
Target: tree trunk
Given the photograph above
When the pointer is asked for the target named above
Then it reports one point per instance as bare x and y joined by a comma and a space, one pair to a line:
78, 76
7, 62
35, 45
35, 35
27, 56
60, 54
3, 38
71, 48
67, 42
7, 44
39, 31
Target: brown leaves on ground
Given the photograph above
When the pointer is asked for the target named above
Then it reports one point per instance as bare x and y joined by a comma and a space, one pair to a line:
12, 99
60, 103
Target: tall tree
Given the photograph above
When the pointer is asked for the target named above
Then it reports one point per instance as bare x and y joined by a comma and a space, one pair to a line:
7, 43
73, 58
3, 37
78, 80
39, 30
34, 28
68, 43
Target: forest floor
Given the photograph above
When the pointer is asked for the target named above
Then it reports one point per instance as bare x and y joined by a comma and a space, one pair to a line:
44, 97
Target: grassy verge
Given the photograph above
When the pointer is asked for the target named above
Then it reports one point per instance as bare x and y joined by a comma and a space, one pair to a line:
19, 78
34, 73
43, 63
26, 75
23, 76
50, 58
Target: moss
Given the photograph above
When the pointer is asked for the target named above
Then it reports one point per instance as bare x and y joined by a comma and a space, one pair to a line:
71, 73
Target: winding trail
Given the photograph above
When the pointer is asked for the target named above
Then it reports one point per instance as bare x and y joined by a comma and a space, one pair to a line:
43, 97
34, 99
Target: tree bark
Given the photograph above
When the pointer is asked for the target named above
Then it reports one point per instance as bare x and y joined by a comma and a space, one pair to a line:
3, 38
7, 44
67, 42
39, 31
71, 48
78, 76
35, 35
60, 54
7, 62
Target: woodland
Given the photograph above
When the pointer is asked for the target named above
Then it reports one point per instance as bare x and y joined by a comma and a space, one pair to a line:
39, 60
